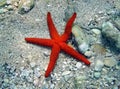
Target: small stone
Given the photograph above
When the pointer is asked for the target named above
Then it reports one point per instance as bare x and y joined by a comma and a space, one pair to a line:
83, 47
110, 62
37, 20
46, 53
26, 72
97, 74
37, 72
9, 2
99, 65
16, 4
10, 7
79, 65
32, 64
88, 53
81, 78
2, 10
99, 49
52, 86
36, 81
30, 79
66, 73
6, 80
96, 31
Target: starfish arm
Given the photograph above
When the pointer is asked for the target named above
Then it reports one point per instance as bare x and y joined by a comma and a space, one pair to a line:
53, 59
40, 41
68, 28
51, 26
74, 53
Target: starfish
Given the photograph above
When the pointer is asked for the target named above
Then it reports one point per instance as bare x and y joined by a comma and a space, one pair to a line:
57, 43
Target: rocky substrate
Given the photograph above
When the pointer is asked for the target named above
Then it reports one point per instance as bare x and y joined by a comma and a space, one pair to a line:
95, 34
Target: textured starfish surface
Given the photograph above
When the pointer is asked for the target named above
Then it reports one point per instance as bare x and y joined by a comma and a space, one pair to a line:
58, 43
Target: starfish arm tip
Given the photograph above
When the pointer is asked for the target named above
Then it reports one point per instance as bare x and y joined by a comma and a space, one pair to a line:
48, 14
75, 13
88, 63
26, 39
46, 75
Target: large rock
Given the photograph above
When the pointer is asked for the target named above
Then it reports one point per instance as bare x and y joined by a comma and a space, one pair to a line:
80, 38
111, 33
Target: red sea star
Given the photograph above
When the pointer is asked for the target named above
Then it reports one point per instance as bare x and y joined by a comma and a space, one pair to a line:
58, 43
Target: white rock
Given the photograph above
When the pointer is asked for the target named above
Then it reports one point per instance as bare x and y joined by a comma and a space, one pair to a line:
110, 62
37, 72
96, 31
32, 64
79, 65
81, 38
83, 47
97, 74
99, 65
36, 81
88, 53
52, 86
66, 73
81, 77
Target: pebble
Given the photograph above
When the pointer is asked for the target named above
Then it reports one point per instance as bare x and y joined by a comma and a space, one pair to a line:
6, 80
99, 49
110, 62
26, 73
36, 81
78, 65
37, 72
88, 53
99, 65
81, 78
10, 7
92, 87
97, 74
66, 73
83, 47
52, 86
46, 53
3, 10
96, 31
32, 64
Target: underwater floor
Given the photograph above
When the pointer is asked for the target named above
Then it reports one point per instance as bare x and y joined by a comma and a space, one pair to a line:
95, 35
